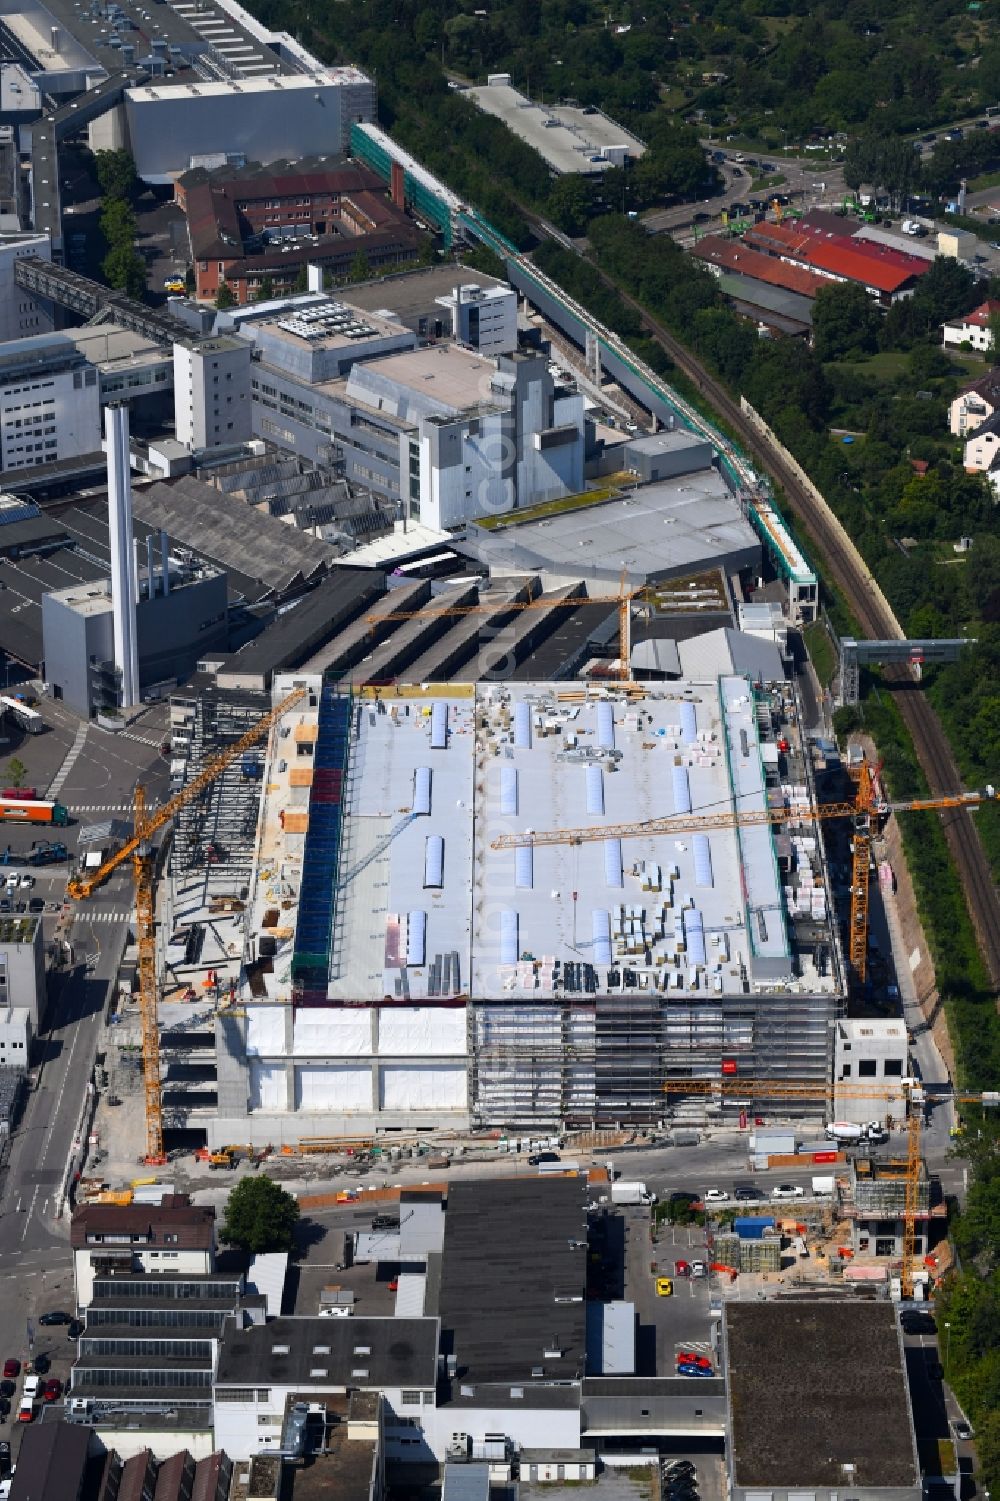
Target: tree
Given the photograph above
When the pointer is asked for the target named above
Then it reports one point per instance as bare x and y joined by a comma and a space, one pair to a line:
845, 321
266, 289
360, 269
16, 772
190, 281
569, 203
116, 174
225, 297
260, 1216
124, 268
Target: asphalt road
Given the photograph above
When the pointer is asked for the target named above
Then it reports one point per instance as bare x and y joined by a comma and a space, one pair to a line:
817, 182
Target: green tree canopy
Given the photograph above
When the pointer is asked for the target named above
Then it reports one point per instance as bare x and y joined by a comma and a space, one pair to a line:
16, 771
116, 174
124, 269
225, 296
260, 1216
846, 321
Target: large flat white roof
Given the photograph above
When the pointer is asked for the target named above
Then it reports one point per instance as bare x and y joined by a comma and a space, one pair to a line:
425, 908
327, 78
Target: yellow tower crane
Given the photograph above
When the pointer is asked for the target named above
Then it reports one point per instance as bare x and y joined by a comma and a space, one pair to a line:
869, 805
138, 850
746, 1091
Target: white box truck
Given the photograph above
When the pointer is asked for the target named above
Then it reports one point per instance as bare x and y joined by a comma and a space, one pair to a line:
823, 1187
624, 1192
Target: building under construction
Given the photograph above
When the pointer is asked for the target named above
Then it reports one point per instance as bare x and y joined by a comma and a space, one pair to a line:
411, 960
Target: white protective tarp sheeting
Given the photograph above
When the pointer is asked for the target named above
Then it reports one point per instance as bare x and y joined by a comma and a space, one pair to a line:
422, 1031
522, 726
434, 860
267, 1086
422, 789
605, 726
689, 723
439, 726
595, 791
419, 1087
266, 1030
333, 1032
524, 867
702, 850
613, 862
694, 935
601, 927
333, 1087
682, 790
508, 790
416, 938
410, 1290
508, 936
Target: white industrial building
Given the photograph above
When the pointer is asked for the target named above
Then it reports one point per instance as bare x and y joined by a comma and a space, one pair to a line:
49, 402
405, 972
22, 968
278, 117
21, 315
449, 432
870, 1050
16, 1033
211, 380
485, 318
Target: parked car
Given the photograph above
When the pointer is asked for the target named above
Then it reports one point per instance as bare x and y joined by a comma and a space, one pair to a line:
36, 904
52, 1390
788, 1191
692, 1370
963, 1430
40, 1365
11, 1369
716, 1196
679, 1467
57, 1317
699, 1269
537, 1158
747, 1195
682, 1269
7, 1388
4, 1457
75, 1328
689, 1357
4, 1407
664, 1287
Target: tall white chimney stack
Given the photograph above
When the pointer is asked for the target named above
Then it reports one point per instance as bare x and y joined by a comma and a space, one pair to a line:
123, 569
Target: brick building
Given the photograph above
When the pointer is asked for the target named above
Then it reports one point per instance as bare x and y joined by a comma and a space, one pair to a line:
245, 227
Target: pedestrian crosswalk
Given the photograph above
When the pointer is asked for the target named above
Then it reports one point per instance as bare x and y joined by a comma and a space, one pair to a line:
101, 808
56, 785
89, 916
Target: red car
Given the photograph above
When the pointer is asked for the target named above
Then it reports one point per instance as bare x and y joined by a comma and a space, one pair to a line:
11, 1370
688, 1357
682, 1269
52, 1390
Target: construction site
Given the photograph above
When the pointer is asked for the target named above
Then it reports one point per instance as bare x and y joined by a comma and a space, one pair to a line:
356, 939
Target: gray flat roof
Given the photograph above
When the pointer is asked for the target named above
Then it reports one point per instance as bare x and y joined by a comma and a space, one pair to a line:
842, 1398
349, 1352
410, 293
660, 530
567, 143
513, 1276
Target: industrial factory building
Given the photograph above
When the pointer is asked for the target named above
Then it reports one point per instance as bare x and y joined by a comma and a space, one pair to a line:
415, 961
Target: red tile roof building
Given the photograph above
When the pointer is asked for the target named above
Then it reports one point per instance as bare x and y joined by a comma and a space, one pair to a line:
739, 257
243, 228
880, 269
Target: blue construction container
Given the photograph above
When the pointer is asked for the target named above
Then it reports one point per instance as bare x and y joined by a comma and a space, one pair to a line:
752, 1227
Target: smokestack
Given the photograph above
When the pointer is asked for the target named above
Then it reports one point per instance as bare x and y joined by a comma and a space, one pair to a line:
123, 569
165, 561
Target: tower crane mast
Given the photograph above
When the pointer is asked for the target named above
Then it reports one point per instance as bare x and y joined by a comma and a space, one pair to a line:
735, 1088
138, 851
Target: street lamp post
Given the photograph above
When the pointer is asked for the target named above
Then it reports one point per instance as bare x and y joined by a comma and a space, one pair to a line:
947, 1341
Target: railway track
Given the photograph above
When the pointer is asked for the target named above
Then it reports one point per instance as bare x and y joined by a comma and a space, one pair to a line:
846, 571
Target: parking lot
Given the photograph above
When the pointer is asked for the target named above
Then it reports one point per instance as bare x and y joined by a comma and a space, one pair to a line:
665, 1324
